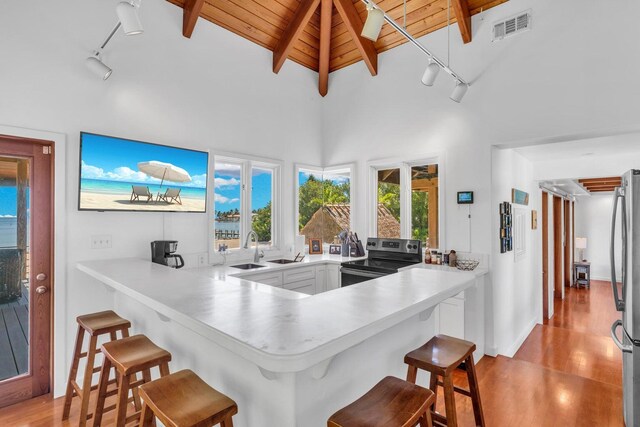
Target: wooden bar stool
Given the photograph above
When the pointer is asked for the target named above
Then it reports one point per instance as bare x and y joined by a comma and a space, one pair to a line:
390, 403
182, 399
441, 356
128, 356
95, 325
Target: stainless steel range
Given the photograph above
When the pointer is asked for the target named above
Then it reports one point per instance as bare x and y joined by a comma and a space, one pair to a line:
385, 256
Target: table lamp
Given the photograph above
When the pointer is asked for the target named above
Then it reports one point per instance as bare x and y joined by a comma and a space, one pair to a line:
581, 244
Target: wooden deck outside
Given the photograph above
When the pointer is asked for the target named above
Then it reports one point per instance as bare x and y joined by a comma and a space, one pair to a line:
14, 336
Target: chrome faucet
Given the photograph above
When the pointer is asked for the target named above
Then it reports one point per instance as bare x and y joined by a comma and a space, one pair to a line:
259, 254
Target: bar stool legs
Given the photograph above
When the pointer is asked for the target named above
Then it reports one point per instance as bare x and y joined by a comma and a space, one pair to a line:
95, 325
440, 356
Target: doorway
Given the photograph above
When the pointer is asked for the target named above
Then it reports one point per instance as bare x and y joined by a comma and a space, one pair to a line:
26, 268
545, 255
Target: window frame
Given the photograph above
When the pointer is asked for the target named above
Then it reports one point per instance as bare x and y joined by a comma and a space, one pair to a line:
351, 167
247, 163
405, 165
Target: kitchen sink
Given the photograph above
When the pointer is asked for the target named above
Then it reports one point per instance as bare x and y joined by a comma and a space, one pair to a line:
248, 266
282, 261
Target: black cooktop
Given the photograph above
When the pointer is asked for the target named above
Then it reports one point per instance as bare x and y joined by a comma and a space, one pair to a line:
378, 265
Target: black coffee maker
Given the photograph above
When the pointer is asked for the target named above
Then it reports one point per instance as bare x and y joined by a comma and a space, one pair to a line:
163, 252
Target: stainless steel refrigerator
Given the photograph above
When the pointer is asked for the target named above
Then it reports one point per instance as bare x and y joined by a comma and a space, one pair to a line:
627, 300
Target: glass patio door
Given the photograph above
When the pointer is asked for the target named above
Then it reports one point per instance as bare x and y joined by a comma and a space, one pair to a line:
26, 203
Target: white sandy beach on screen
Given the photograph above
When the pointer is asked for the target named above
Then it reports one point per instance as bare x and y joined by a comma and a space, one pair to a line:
101, 201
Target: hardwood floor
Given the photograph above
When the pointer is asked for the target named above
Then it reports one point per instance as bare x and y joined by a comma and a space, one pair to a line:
567, 373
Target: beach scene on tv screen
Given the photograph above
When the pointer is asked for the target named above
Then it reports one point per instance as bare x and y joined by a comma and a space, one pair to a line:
119, 174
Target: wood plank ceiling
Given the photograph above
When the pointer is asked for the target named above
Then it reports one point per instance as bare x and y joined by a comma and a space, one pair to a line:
293, 29
601, 185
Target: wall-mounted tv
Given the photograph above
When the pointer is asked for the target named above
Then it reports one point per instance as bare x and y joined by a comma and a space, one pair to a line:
119, 174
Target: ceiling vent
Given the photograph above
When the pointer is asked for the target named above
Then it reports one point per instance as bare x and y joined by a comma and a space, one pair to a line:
513, 25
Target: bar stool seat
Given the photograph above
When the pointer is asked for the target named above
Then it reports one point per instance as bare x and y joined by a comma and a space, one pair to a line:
182, 399
135, 354
390, 403
103, 322
441, 356
129, 356
94, 325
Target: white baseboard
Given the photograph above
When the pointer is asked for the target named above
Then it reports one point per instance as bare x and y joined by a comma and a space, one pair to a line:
511, 351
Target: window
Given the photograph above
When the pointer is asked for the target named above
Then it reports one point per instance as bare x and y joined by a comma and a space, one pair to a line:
261, 202
227, 200
324, 202
245, 198
407, 202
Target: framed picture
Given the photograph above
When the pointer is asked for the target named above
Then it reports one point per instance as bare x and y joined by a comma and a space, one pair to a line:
519, 197
315, 246
335, 250
534, 219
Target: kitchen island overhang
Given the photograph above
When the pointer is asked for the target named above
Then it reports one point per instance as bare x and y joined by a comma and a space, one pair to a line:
295, 340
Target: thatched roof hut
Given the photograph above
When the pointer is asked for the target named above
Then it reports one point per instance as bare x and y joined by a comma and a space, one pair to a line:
329, 220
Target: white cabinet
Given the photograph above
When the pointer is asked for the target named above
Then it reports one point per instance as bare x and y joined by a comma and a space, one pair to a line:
272, 278
311, 280
451, 317
321, 278
333, 277
299, 273
307, 286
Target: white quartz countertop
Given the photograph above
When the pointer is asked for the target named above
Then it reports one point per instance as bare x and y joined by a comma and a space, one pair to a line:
277, 329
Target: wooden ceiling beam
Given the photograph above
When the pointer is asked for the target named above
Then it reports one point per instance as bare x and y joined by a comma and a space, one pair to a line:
611, 178
461, 12
190, 16
326, 7
354, 24
300, 20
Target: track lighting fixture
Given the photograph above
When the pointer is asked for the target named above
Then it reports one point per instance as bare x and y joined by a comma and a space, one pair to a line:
128, 19
371, 30
430, 74
373, 24
99, 68
459, 91
128, 16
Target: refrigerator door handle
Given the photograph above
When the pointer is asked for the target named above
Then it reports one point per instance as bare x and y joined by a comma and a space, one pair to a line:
624, 348
619, 194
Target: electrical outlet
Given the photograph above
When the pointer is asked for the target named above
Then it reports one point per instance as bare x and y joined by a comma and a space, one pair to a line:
202, 260
101, 241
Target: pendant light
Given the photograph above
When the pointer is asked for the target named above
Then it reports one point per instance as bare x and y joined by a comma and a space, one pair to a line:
99, 68
430, 74
128, 16
459, 91
373, 24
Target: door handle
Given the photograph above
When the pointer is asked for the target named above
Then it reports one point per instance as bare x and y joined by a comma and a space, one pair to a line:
624, 348
41, 290
40, 277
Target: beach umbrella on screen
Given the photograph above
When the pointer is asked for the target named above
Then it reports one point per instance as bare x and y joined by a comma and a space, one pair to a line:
164, 171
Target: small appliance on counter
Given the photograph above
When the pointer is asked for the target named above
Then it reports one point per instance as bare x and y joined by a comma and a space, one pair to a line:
163, 252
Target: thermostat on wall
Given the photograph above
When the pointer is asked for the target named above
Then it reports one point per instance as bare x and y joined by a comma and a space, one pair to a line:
465, 197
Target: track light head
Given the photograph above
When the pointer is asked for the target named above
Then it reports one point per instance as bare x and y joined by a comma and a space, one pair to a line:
98, 67
459, 91
373, 24
128, 16
430, 74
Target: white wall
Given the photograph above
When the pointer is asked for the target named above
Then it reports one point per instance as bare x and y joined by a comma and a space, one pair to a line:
214, 91
516, 297
593, 221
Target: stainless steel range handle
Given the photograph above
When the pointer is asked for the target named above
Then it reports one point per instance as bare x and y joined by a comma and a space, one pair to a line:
618, 194
624, 348
362, 273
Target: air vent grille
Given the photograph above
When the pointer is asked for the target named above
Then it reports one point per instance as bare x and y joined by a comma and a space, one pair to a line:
512, 25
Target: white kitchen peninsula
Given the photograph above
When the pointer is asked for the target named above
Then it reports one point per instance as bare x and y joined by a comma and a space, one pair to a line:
287, 359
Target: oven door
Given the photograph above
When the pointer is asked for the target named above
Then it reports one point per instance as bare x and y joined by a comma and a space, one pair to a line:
351, 276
